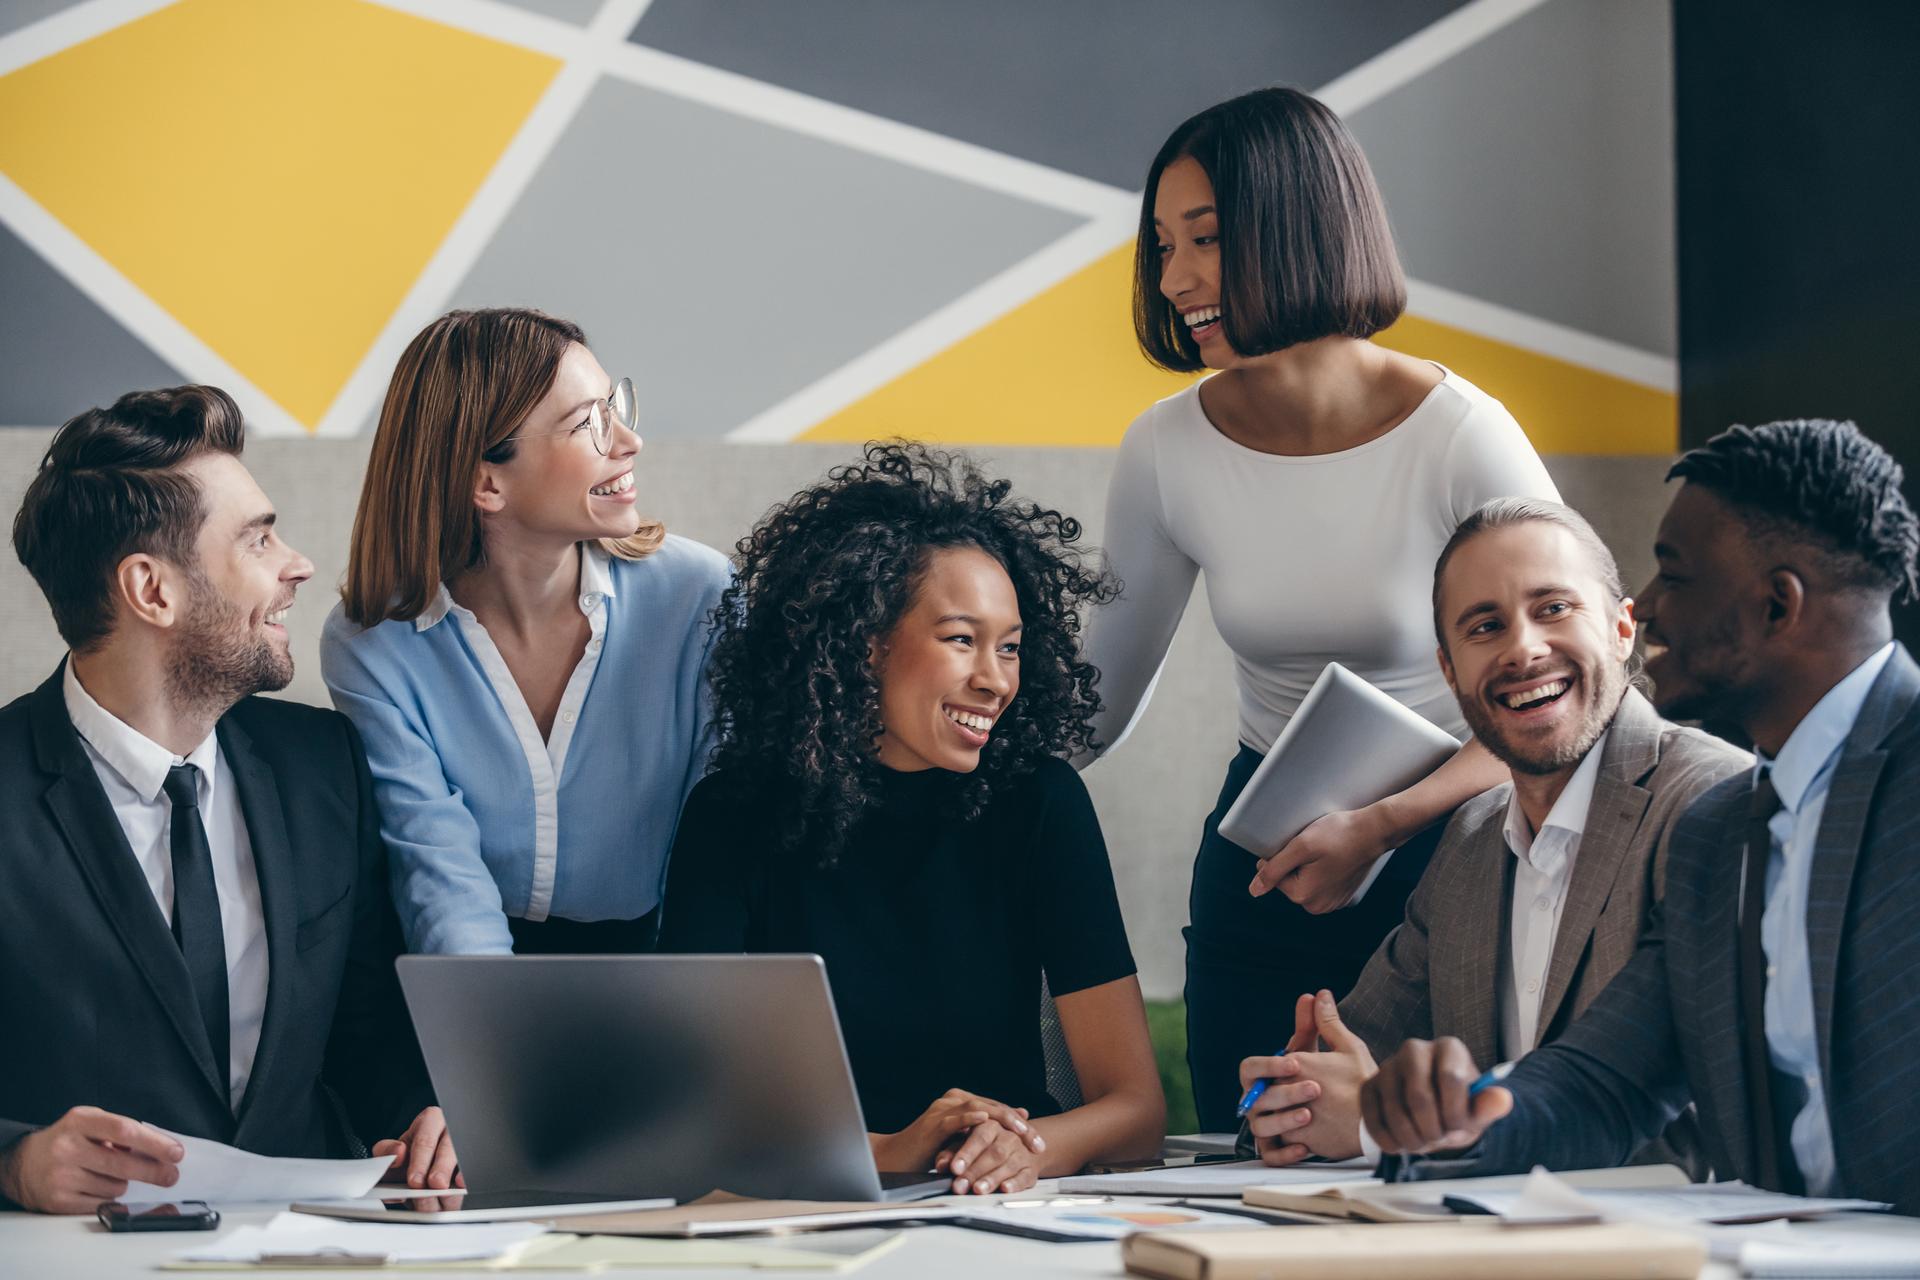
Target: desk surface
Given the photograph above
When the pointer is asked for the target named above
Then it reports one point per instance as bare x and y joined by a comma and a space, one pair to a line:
79, 1249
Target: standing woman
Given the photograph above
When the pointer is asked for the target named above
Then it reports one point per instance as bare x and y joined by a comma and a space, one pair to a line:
523, 653
1314, 480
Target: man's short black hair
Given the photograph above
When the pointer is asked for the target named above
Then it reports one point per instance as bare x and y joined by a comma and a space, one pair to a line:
1305, 250
110, 486
1822, 484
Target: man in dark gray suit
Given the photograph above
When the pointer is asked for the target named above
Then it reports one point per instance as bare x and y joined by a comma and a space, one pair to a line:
1540, 889
1775, 988
196, 932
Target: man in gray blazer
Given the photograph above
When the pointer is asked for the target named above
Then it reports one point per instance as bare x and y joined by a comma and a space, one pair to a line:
1775, 988
1539, 890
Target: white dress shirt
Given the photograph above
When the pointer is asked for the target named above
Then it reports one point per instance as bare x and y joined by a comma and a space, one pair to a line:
1802, 775
1540, 880
132, 769
1540, 883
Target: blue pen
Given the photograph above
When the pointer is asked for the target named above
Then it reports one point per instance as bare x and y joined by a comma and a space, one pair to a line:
1399, 1168
1252, 1095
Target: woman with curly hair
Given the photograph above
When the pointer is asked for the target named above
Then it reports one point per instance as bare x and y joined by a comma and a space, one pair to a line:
896, 680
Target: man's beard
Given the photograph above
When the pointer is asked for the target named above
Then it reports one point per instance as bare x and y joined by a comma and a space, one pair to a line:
217, 658
1551, 757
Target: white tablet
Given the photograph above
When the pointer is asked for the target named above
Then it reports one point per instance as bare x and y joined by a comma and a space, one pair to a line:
1347, 746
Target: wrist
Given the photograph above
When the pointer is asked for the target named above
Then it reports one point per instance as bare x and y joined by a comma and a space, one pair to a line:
882, 1145
1387, 825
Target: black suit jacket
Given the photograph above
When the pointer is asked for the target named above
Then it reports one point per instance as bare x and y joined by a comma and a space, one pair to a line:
1668, 1027
95, 1003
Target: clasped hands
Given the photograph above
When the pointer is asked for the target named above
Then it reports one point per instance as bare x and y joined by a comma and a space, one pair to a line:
986, 1145
89, 1156
1325, 865
1327, 1087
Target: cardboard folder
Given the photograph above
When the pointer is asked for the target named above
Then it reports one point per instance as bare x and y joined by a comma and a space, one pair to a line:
1418, 1251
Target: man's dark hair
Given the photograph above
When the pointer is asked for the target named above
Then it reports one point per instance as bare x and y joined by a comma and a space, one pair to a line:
828, 574
110, 486
1823, 485
1305, 250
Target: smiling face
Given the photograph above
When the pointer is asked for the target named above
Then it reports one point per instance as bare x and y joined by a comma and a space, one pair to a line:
950, 666
231, 640
558, 486
1703, 616
1189, 231
1535, 646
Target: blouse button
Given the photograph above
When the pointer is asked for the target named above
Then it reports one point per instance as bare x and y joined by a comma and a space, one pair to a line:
568, 717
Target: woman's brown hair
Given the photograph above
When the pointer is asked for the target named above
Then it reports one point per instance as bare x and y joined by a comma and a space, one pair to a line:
1305, 250
463, 385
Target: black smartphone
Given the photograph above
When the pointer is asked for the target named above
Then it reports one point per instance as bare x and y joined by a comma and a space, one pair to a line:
183, 1215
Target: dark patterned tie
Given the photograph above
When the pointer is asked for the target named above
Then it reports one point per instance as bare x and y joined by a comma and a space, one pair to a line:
196, 910
1768, 1118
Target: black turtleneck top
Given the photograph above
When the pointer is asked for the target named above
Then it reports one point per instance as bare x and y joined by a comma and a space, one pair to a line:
935, 932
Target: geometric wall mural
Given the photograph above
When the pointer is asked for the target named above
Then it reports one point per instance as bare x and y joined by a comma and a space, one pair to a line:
822, 220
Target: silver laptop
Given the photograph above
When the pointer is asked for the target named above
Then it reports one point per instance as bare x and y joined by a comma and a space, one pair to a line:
641, 1076
1347, 746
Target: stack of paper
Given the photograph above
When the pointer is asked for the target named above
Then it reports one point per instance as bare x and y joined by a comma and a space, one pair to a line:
298, 1239
1543, 1197
1437, 1200
1229, 1180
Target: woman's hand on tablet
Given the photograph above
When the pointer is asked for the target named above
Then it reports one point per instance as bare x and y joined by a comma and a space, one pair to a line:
1325, 865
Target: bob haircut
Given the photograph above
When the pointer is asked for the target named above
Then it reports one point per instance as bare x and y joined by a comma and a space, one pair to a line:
1305, 250
465, 383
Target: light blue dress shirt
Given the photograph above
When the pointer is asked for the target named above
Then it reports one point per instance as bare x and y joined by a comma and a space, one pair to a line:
1802, 775
483, 819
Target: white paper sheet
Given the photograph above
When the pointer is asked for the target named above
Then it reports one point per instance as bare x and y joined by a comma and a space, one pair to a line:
1545, 1198
300, 1236
1227, 1180
1104, 1218
219, 1174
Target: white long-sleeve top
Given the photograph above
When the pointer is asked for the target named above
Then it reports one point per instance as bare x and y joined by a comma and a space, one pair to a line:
1309, 560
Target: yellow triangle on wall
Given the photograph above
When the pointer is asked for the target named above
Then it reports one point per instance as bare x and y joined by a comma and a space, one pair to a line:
1063, 369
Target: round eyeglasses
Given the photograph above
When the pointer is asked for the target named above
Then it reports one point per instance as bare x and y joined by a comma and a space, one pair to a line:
621, 406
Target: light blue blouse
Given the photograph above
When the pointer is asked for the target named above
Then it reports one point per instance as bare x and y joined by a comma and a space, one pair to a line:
484, 820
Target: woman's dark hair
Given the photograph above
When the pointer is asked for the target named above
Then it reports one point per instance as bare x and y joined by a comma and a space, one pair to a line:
828, 574
1305, 250
1823, 485
109, 486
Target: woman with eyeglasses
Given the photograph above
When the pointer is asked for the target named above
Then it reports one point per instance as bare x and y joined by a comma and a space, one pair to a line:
523, 653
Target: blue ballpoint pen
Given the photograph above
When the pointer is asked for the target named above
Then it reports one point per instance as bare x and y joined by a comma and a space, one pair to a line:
1252, 1095
1397, 1167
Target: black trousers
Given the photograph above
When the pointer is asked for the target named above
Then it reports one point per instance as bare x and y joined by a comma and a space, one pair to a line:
1249, 959
556, 937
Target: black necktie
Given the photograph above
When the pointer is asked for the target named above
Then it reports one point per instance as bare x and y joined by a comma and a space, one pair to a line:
1770, 1120
196, 910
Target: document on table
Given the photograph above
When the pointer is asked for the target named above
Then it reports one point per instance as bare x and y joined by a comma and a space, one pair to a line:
1227, 1180
219, 1174
1545, 1198
1097, 1217
298, 1239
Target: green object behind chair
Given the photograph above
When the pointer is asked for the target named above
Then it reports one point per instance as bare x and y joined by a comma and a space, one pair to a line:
1167, 1024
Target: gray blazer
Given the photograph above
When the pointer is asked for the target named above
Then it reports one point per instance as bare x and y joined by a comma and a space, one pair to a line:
1438, 973
1668, 1029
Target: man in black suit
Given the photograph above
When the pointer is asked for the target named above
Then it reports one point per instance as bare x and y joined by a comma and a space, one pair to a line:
1775, 987
195, 927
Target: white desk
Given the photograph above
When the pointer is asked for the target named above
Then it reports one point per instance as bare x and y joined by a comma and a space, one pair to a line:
79, 1249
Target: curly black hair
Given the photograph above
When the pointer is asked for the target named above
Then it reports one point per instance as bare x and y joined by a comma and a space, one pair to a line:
1820, 483
833, 569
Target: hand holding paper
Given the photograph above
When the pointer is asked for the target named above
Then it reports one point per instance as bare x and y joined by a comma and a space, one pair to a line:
85, 1158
